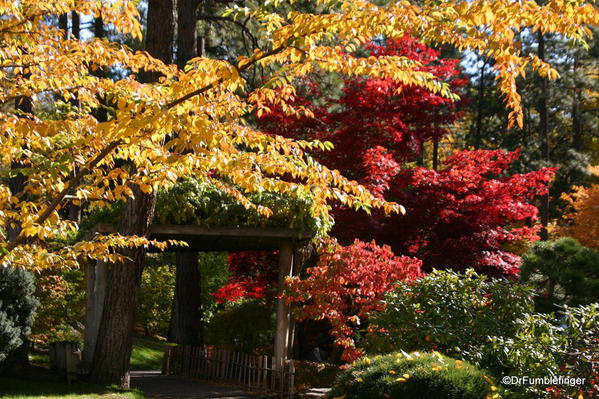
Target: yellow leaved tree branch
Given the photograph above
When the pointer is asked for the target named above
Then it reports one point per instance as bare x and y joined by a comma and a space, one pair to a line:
193, 121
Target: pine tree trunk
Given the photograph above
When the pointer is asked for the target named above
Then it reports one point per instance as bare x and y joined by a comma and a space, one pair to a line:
185, 326
544, 136
186, 31
576, 114
114, 342
479, 108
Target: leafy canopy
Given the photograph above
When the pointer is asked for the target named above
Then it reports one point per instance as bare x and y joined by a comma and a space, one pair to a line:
192, 121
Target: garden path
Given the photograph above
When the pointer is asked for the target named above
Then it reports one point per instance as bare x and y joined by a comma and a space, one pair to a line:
157, 386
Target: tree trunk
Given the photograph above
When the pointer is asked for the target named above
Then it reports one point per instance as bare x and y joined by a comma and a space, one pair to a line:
113, 347
576, 115
479, 108
98, 27
186, 318
76, 25
435, 153
185, 325
420, 156
63, 23
186, 31
74, 210
544, 136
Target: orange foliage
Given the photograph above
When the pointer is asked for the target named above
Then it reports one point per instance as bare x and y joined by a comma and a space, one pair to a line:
584, 218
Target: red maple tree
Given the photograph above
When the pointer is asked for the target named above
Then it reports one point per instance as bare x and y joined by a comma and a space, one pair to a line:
375, 120
458, 217
347, 285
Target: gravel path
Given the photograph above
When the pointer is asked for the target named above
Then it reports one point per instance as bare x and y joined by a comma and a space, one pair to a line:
156, 386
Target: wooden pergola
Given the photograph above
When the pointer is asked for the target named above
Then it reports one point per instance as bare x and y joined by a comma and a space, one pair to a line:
201, 239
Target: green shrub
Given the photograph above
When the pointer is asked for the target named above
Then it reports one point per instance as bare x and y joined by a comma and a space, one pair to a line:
61, 313
413, 376
214, 269
17, 308
242, 326
449, 312
564, 271
156, 299
544, 345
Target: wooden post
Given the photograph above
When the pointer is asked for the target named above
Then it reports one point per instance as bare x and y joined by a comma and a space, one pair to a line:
283, 310
95, 292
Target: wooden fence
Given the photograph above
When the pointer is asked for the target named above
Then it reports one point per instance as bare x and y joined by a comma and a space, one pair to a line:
256, 373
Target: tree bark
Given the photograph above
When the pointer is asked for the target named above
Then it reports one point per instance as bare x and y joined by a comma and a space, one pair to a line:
99, 27
63, 23
113, 347
435, 153
283, 336
576, 114
114, 342
76, 25
186, 31
479, 107
544, 136
186, 317
74, 210
185, 325
420, 156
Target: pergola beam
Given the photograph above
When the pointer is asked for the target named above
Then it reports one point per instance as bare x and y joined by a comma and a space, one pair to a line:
203, 239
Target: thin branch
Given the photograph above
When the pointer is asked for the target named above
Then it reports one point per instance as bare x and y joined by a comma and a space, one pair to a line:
241, 25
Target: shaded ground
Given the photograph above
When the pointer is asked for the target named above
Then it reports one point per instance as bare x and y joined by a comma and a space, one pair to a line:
156, 386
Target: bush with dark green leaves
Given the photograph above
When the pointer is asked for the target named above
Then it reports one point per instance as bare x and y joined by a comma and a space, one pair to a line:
244, 326
454, 313
413, 376
17, 308
564, 271
544, 345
